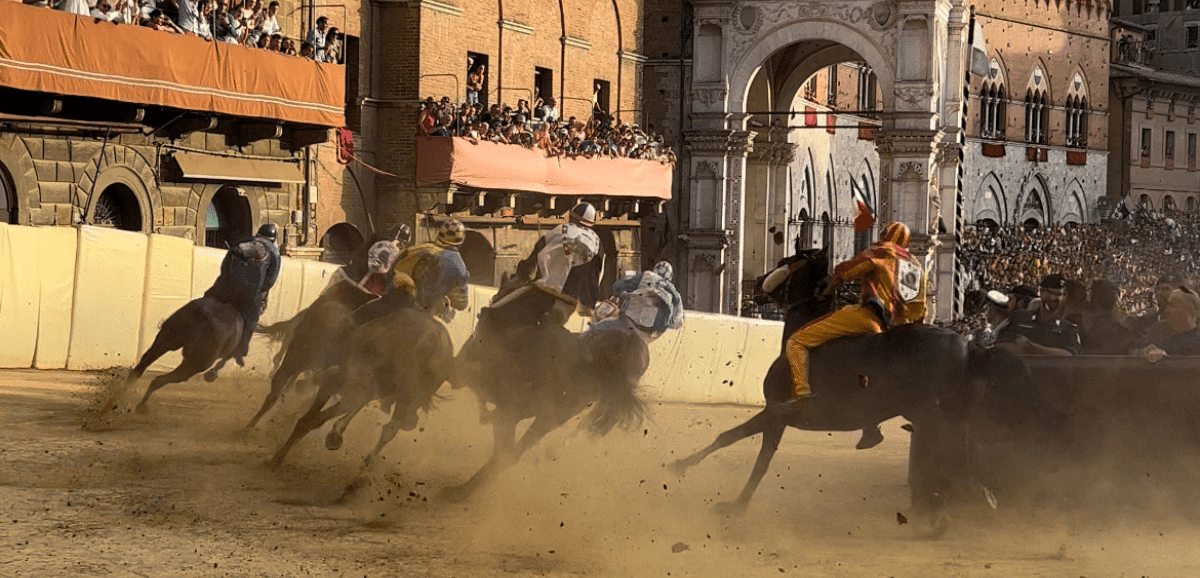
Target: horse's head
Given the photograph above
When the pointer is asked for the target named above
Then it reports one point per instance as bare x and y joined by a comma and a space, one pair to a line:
798, 279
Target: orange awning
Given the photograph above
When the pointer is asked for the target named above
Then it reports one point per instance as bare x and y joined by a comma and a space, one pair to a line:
55, 52
499, 166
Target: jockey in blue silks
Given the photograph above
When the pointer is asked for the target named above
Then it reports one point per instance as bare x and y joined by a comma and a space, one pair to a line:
248, 273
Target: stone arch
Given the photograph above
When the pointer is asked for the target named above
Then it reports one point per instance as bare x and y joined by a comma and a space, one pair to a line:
341, 242
787, 34
479, 256
995, 207
1034, 202
17, 165
1074, 210
829, 56
118, 164
202, 195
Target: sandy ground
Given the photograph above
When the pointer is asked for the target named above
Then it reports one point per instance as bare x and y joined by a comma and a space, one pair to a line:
179, 493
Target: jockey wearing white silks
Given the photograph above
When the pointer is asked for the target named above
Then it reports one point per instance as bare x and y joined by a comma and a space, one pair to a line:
567, 246
648, 299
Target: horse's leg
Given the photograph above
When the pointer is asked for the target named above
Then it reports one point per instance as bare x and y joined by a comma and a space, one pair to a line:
504, 429
211, 375
937, 466
334, 439
757, 424
315, 417
772, 434
279, 381
180, 374
162, 344
389, 432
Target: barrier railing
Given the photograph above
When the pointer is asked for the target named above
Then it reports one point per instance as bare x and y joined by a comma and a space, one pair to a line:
92, 298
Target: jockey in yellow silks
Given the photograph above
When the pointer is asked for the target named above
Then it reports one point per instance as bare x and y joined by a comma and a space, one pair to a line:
890, 276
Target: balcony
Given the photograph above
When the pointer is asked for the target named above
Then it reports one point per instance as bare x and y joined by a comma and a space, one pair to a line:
507, 167
53, 52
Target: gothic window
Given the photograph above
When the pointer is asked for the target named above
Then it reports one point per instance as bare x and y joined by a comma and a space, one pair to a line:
1035, 117
991, 110
831, 86
1077, 115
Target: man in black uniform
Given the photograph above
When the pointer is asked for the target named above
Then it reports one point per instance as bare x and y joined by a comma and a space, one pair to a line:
248, 273
1044, 331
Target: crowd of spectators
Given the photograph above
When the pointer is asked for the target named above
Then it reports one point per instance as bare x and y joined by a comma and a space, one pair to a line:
1125, 283
541, 126
245, 22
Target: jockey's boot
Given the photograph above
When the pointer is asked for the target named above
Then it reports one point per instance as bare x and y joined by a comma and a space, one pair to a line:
792, 405
871, 437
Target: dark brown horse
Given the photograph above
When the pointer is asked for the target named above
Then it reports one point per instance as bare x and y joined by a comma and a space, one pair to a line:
400, 359
926, 374
542, 371
207, 330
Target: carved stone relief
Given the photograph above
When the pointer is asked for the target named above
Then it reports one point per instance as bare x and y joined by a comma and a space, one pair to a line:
854, 13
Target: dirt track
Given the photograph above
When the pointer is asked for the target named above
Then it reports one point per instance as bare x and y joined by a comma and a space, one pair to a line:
178, 493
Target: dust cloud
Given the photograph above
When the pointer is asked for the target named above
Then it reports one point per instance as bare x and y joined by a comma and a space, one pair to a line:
182, 491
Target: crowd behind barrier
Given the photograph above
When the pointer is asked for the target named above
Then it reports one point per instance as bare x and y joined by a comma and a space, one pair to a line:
1132, 250
541, 127
245, 22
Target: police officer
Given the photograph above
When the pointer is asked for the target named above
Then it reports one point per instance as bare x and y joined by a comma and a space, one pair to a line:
248, 273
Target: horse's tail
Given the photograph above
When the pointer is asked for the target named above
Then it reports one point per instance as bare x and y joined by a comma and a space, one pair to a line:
617, 364
1009, 395
280, 331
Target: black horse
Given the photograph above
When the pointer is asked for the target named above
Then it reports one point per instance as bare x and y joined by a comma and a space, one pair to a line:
929, 375
400, 358
207, 330
545, 372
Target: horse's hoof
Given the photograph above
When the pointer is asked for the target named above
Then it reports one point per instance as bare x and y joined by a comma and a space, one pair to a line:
454, 494
871, 437
677, 468
210, 375
729, 508
333, 440
275, 462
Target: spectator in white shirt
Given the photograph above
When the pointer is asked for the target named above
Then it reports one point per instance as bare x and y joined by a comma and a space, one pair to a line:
79, 7
189, 16
270, 26
316, 37
104, 11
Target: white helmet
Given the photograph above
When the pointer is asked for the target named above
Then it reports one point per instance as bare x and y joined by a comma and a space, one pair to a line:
583, 213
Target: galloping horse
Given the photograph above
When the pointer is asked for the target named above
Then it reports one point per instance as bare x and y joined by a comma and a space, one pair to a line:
207, 330
928, 375
400, 359
545, 372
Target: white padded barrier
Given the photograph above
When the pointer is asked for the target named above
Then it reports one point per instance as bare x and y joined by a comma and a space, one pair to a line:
20, 296
56, 253
206, 267
169, 270
110, 282
284, 300
316, 276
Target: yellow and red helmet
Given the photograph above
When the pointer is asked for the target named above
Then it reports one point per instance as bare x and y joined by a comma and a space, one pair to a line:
897, 233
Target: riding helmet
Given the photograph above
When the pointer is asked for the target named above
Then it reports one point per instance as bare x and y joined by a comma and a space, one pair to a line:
583, 213
269, 230
452, 233
665, 270
897, 233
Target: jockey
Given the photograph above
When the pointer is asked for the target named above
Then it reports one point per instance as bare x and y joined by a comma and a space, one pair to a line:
437, 268
568, 258
894, 285
649, 300
355, 284
248, 273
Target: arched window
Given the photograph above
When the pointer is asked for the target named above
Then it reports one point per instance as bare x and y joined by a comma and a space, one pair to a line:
1168, 203
480, 258
1144, 202
992, 110
341, 242
867, 86
118, 208
227, 219
1035, 117
1191, 204
1077, 112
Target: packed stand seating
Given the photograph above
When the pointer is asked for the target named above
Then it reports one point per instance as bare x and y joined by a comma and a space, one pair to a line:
1125, 283
244, 22
540, 126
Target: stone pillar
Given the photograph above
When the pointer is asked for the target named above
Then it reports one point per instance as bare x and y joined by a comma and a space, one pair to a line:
714, 235
759, 185
780, 205
909, 190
